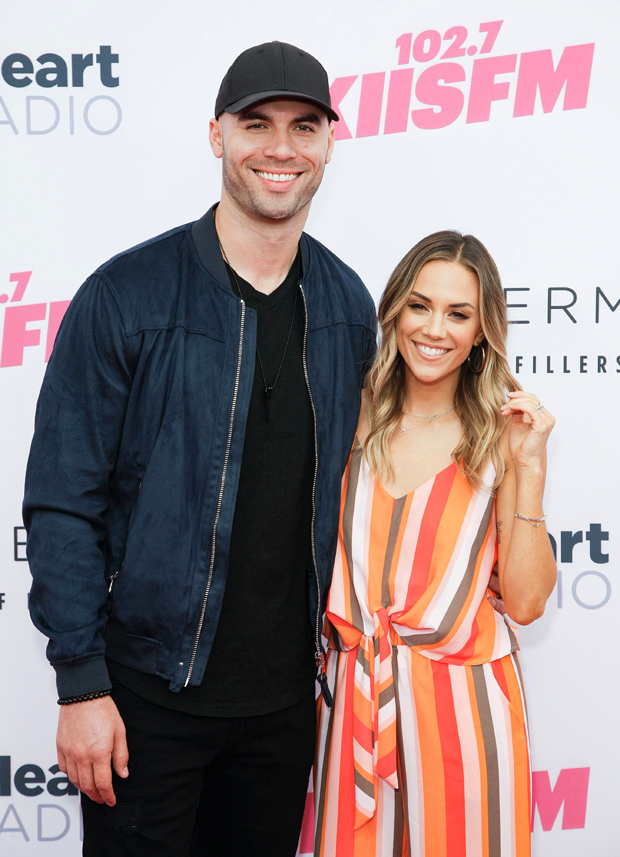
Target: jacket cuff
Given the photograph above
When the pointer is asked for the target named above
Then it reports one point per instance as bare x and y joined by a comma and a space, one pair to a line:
82, 677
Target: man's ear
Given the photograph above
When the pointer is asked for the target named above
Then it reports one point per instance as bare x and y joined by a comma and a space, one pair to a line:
215, 137
330, 142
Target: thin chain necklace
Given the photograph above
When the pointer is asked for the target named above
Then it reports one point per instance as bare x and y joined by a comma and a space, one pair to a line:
267, 388
423, 417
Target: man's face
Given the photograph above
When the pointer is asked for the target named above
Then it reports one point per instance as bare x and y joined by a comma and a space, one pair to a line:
273, 156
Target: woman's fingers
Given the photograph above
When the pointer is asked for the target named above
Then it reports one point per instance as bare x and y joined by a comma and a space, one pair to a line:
521, 403
530, 426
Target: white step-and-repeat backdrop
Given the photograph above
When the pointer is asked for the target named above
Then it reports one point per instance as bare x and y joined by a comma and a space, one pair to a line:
497, 118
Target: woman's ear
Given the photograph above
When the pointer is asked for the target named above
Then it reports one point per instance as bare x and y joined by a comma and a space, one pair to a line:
479, 338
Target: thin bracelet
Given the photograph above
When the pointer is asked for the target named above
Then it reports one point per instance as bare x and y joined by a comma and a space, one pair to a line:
85, 697
535, 522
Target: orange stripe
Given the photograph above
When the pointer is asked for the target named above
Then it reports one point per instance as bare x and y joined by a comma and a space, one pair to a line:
424, 550
498, 672
431, 756
520, 755
365, 840
362, 733
448, 531
452, 762
380, 520
482, 640
467, 652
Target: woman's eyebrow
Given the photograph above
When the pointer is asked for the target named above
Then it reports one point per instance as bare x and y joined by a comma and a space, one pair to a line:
428, 300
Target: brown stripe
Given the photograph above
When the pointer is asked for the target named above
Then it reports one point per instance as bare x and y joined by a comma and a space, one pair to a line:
490, 753
517, 663
319, 797
397, 513
336, 641
453, 611
386, 695
364, 785
402, 765
399, 822
347, 530
363, 660
514, 643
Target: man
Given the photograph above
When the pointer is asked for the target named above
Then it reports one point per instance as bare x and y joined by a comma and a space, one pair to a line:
183, 488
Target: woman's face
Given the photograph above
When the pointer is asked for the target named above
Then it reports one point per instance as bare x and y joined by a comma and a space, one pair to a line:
440, 322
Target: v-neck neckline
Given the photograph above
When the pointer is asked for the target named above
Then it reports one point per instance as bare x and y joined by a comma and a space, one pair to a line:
413, 491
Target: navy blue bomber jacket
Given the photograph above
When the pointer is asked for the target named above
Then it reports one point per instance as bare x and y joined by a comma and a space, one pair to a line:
135, 461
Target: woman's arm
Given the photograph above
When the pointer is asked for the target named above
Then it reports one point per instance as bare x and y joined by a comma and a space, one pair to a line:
526, 565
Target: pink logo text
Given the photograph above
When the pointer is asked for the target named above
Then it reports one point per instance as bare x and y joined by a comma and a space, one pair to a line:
387, 96
17, 335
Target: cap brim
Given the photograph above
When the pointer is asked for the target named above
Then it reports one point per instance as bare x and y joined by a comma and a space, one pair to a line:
256, 97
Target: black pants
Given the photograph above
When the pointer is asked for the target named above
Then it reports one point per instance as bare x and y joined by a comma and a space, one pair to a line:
205, 786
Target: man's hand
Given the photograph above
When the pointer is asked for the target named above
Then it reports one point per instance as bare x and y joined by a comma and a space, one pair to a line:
496, 600
90, 734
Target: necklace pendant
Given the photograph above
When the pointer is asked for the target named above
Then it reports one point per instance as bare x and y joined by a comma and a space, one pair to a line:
267, 391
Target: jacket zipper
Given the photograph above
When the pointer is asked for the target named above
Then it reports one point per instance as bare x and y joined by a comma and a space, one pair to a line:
121, 566
319, 655
219, 499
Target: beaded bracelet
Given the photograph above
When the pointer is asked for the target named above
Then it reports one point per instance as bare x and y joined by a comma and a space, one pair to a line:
85, 697
535, 522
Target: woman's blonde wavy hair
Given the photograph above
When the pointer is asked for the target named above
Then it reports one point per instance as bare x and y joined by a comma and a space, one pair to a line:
478, 397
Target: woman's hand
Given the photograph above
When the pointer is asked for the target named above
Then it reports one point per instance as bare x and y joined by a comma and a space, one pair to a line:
530, 428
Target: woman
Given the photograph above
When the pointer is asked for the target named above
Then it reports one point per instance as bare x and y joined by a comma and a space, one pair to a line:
425, 751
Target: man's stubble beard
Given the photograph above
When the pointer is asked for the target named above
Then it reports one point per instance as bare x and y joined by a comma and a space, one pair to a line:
261, 204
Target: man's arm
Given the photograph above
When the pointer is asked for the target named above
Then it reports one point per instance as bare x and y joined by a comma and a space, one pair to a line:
371, 338
79, 420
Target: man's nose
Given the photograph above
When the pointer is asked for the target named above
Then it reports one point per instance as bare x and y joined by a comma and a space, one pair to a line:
280, 146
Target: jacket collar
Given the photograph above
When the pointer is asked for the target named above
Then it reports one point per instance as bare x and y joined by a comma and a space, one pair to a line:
205, 239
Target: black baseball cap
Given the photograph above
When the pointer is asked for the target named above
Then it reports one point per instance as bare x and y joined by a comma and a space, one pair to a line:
274, 70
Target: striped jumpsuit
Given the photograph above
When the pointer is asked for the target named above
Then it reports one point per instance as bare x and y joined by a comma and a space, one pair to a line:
425, 752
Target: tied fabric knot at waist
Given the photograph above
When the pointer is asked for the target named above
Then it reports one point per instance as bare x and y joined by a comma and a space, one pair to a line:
374, 719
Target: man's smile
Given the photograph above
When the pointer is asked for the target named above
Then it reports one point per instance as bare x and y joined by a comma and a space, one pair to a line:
277, 177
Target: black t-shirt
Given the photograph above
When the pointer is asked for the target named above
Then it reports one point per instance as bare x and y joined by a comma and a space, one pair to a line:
262, 658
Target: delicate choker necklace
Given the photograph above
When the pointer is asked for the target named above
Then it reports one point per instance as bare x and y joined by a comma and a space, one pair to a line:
423, 417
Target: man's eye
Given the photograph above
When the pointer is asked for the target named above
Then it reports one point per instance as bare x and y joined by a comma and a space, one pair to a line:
305, 128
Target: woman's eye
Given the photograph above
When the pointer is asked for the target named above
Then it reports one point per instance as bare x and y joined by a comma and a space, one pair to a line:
416, 306
460, 316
